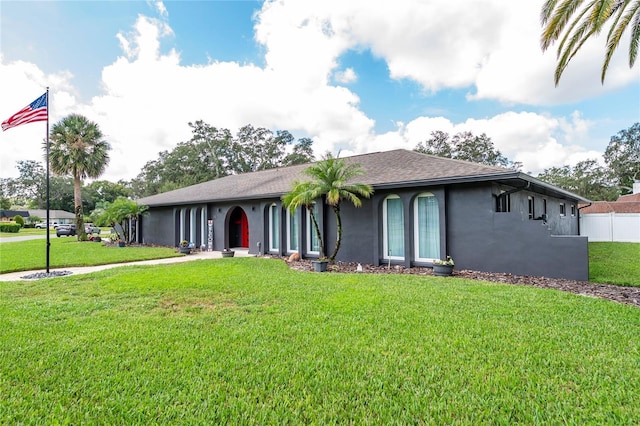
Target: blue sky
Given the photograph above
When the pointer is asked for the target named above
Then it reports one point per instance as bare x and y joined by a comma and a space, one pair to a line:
356, 76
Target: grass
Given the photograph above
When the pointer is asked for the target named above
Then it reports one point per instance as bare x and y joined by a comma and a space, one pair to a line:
27, 232
67, 251
248, 341
615, 263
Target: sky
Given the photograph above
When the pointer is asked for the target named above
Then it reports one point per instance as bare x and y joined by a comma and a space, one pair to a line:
356, 76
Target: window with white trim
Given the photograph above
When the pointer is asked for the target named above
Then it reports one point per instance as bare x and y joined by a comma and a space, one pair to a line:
393, 228
562, 210
274, 227
532, 207
313, 244
573, 209
292, 232
426, 227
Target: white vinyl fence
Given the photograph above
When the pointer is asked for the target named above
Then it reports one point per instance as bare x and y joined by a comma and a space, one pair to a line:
621, 227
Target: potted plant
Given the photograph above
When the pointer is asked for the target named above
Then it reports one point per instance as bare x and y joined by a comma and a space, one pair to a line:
227, 253
184, 247
120, 243
443, 268
320, 265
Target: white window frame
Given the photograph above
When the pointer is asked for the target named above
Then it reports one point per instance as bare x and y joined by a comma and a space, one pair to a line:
416, 228
273, 208
310, 231
385, 241
291, 217
563, 210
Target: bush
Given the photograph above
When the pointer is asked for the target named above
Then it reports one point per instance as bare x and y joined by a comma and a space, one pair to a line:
10, 227
19, 220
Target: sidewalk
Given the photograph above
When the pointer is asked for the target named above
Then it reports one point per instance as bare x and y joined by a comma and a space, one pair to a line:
17, 276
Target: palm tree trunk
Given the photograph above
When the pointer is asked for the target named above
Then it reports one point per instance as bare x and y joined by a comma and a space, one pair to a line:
77, 199
318, 234
336, 210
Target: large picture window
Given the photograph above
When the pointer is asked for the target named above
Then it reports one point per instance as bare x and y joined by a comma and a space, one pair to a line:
393, 228
292, 232
426, 227
313, 244
274, 228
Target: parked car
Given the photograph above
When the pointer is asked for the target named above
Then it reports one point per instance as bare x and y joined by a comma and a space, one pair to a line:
42, 225
90, 228
67, 230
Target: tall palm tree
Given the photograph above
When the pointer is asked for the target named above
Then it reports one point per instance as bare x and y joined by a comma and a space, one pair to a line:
77, 149
589, 19
331, 179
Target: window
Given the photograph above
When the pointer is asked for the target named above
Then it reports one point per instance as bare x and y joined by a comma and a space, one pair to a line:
503, 202
393, 228
426, 227
562, 211
292, 232
313, 244
274, 228
532, 212
544, 207
573, 209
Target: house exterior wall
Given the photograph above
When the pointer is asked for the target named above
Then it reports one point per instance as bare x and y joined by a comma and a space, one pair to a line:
510, 242
471, 231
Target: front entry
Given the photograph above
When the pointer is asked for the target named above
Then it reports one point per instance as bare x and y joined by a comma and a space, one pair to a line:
238, 229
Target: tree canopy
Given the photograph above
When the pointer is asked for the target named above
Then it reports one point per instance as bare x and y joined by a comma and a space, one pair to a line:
212, 153
623, 157
465, 146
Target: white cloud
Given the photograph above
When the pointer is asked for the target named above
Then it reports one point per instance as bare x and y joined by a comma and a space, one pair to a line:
347, 76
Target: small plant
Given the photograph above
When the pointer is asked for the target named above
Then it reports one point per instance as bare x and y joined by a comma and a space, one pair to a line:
447, 262
184, 244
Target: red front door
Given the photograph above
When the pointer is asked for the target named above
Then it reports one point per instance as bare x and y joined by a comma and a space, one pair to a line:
244, 230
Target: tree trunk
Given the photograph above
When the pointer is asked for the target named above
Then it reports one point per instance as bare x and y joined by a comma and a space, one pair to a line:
77, 199
336, 210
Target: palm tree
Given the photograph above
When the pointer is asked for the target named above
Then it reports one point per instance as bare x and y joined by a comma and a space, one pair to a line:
331, 179
77, 149
589, 19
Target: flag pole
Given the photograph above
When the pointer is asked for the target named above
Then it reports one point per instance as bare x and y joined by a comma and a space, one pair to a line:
48, 223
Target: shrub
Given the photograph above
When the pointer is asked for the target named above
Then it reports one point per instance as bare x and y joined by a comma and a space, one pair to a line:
10, 227
19, 220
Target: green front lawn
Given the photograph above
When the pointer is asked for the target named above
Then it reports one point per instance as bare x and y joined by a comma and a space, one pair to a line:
248, 341
67, 251
615, 263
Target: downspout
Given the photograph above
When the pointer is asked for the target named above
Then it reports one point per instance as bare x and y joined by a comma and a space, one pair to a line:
580, 208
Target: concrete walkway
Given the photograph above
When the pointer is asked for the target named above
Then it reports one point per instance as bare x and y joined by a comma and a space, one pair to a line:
17, 276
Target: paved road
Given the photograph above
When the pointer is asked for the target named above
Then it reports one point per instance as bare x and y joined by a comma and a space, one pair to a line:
23, 238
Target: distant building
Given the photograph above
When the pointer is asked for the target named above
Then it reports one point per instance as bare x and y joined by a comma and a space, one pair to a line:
8, 215
55, 216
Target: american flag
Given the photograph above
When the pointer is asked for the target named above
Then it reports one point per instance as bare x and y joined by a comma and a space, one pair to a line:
35, 111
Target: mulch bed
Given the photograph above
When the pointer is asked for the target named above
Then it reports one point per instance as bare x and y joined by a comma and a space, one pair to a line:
626, 295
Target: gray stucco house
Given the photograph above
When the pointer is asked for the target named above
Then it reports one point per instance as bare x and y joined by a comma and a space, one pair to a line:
423, 208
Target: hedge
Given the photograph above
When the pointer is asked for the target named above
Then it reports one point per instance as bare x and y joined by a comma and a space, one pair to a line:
10, 227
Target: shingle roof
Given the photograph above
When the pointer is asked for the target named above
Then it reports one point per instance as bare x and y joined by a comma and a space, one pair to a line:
630, 197
612, 207
382, 169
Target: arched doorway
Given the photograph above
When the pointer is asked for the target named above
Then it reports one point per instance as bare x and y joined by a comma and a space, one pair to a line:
238, 229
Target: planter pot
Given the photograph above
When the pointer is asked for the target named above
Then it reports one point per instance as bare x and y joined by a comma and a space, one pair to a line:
97, 240
229, 253
121, 244
320, 265
442, 270
184, 250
